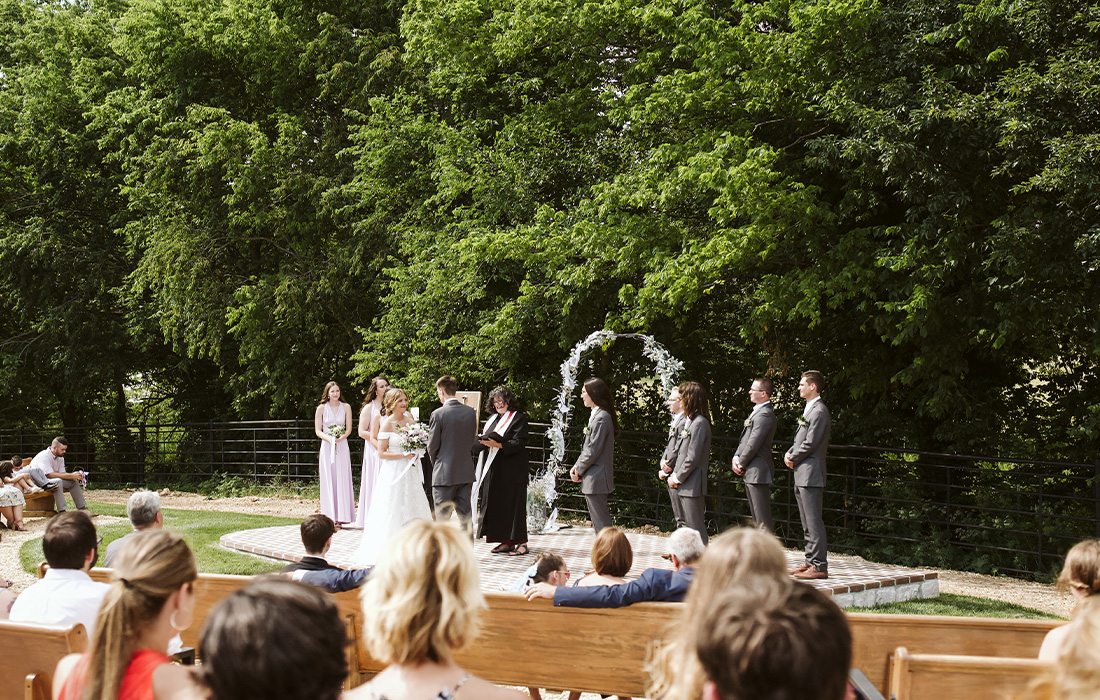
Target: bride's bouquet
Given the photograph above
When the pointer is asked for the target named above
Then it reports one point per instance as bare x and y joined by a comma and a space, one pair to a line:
414, 437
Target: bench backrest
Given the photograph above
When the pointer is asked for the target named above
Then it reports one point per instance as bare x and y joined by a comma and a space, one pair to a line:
947, 676
31, 653
876, 636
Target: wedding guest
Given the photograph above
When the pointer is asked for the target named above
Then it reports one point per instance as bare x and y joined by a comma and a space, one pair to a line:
143, 509
503, 470
773, 641
48, 471
1076, 672
659, 585
548, 567
12, 500
370, 418
151, 600
421, 605
332, 424
317, 531
689, 474
612, 556
274, 639
595, 467
733, 557
66, 594
1081, 576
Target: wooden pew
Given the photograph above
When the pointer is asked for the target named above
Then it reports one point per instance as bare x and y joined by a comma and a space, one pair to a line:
39, 505
876, 636
916, 676
31, 653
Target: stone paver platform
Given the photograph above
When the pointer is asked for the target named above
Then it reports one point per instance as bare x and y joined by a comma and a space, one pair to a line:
852, 581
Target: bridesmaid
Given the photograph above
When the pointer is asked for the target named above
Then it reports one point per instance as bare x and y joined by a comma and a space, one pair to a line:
595, 466
337, 492
369, 420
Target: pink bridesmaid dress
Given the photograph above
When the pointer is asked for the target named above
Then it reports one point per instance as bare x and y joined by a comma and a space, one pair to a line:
370, 469
337, 491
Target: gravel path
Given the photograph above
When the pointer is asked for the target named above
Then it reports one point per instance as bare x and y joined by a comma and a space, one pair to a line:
1033, 595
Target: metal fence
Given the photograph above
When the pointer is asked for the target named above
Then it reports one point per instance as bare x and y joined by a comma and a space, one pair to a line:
986, 514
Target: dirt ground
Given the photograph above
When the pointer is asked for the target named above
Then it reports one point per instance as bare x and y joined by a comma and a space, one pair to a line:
1027, 593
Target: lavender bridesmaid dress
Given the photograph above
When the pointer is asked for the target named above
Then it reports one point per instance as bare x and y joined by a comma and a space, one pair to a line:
337, 491
370, 470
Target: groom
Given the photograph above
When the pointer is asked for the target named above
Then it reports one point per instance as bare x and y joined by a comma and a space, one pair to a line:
451, 434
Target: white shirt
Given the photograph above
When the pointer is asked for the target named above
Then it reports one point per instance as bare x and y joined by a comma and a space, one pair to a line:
47, 462
806, 410
62, 597
757, 407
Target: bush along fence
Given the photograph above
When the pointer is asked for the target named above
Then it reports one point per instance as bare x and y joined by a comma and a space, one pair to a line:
976, 513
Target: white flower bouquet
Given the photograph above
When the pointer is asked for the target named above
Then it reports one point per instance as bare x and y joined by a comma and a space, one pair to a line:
337, 431
414, 437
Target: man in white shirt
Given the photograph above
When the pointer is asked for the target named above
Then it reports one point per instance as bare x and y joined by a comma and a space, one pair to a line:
47, 469
66, 594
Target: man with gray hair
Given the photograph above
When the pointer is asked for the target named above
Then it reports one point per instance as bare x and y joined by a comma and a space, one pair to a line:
143, 507
685, 549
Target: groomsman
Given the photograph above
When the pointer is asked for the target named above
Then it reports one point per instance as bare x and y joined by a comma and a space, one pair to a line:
451, 433
689, 474
668, 457
807, 458
753, 458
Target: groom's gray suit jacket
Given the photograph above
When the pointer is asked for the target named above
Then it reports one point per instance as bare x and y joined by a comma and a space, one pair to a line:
755, 448
810, 444
451, 433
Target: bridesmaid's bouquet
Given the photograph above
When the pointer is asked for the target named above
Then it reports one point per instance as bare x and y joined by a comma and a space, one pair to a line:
336, 431
414, 437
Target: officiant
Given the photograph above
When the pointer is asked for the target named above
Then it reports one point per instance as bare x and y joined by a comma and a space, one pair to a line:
500, 485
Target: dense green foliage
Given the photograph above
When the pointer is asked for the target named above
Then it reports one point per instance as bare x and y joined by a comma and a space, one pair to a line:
225, 204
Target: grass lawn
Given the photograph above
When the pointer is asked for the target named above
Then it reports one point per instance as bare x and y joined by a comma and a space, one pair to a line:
964, 605
200, 528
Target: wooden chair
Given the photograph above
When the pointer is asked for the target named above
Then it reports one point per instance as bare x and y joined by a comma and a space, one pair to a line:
937, 676
876, 636
31, 653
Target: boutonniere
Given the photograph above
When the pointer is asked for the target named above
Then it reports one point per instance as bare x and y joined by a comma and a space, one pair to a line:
685, 433
586, 430
802, 422
748, 422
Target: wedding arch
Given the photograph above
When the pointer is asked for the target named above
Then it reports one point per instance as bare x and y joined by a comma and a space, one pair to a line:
543, 490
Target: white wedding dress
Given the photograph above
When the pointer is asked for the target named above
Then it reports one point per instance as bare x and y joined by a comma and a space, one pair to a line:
397, 499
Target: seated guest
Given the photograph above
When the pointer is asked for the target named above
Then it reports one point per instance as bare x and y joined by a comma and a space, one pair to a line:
420, 606
66, 594
548, 568
143, 509
732, 558
1081, 575
772, 640
151, 599
317, 532
612, 557
11, 497
273, 639
1076, 672
47, 469
661, 585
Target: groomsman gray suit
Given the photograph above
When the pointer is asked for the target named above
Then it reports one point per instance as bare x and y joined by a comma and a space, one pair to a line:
451, 433
692, 457
807, 458
754, 457
596, 467
668, 463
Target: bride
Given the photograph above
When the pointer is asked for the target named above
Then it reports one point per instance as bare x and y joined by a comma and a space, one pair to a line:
398, 495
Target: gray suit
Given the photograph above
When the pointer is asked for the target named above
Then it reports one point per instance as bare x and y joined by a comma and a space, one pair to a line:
692, 460
596, 466
808, 454
669, 457
754, 452
451, 433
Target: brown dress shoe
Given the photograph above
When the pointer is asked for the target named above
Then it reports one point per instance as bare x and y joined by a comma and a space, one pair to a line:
811, 574
799, 569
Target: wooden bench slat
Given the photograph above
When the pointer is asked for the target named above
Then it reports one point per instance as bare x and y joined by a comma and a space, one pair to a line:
31, 653
961, 676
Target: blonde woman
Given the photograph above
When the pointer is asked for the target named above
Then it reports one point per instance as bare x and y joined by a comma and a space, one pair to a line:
332, 424
150, 601
733, 558
398, 494
421, 604
1081, 576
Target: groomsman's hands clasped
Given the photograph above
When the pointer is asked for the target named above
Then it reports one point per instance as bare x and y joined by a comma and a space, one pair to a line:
737, 468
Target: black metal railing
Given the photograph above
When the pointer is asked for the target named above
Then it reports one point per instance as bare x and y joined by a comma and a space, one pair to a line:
986, 514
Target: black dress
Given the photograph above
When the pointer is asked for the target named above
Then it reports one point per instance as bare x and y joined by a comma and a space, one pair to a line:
503, 493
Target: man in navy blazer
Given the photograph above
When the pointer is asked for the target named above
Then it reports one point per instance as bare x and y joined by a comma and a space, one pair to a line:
655, 585
317, 531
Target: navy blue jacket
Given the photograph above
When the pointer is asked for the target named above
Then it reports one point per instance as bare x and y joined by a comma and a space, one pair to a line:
654, 585
318, 572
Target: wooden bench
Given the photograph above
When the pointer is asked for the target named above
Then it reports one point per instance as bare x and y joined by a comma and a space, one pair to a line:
39, 505
31, 653
916, 676
876, 636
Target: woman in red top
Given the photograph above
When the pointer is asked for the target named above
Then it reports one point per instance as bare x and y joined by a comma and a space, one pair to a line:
150, 601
